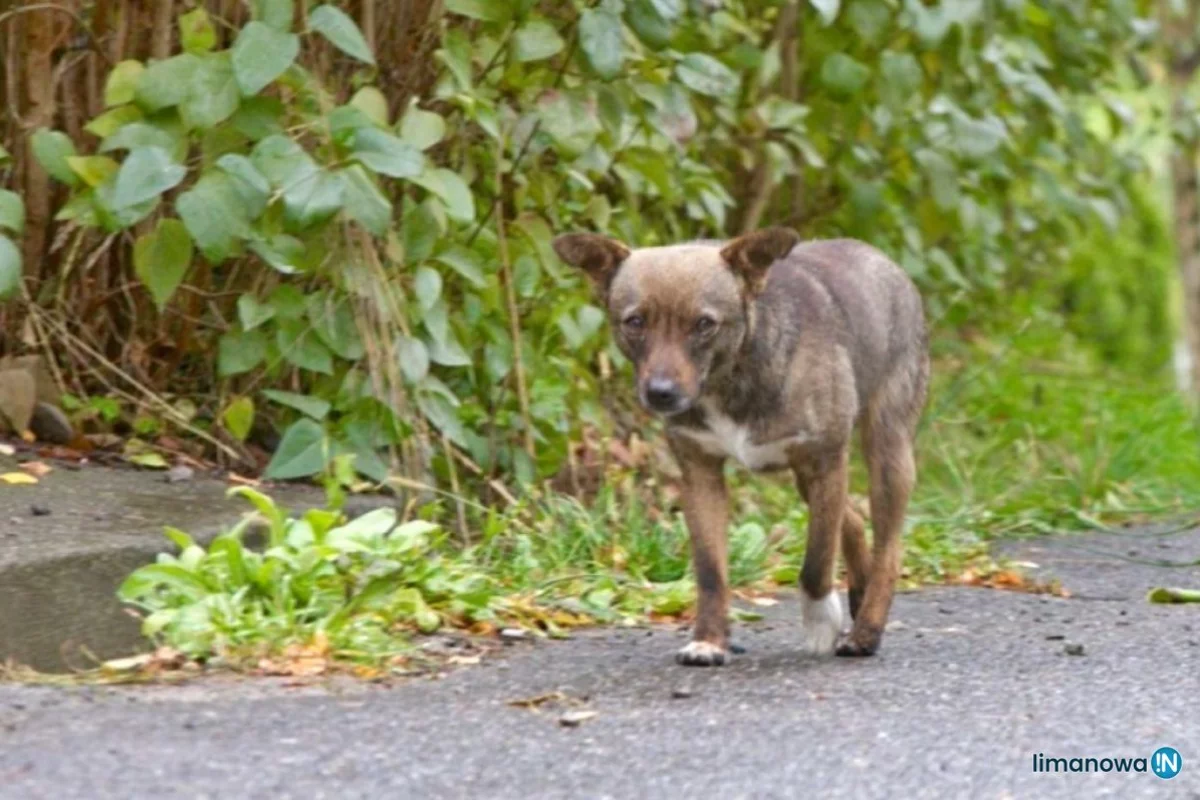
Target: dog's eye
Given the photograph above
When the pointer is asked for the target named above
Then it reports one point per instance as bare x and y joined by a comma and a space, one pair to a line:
705, 325
634, 323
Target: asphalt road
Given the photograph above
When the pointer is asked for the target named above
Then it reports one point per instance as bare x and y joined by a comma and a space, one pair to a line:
970, 684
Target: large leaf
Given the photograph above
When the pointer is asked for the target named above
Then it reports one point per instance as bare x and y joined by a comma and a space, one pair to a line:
365, 202
602, 40
486, 10
844, 76
252, 186
306, 404
52, 149
261, 54
453, 191
706, 75
214, 214
166, 83
428, 286
212, 93
413, 357
196, 31
301, 346
93, 170
161, 258
279, 14
239, 352
303, 452
828, 9
121, 86
391, 155
10, 268
12, 212
146, 173
536, 40
422, 129
252, 313
466, 263
334, 24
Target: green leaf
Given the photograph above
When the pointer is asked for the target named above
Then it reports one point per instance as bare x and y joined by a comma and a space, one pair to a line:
306, 404
238, 417
113, 120
371, 102
93, 170
137, 135
420, 231
284, 253
453, 191
314, 201
388, 154
448, 352
149, 460
261, 54
536, 40
303, 452
213, 212
413, 357
486, 10
422, 129
441, 414
844, 76
870, 19
334, 24
161, 259
121, 86
212, 93
428, 286
239, 352
146, 173
456, 55
196, 31
252, 186
902, 78
279, 14
706, 75
466, 263
670, 10
333, 321
10, 268
259, 117
828, 9
52, 149
300, 346
365, 201
648, 24
942, 175
252, 313
12, 212
602, 40
166, 83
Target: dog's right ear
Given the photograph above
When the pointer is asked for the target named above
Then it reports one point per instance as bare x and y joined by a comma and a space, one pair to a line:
596, 255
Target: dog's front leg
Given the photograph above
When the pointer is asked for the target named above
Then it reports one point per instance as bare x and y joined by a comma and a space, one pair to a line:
706, 511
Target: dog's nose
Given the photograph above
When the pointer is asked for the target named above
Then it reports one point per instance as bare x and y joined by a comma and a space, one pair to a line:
662, 394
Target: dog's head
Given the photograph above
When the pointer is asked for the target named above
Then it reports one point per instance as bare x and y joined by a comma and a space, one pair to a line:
680, 313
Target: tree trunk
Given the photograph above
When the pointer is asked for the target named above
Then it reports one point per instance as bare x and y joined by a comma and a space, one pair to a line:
1183, 59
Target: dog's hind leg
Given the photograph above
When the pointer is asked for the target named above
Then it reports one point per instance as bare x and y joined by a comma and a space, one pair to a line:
887, 445
824, 487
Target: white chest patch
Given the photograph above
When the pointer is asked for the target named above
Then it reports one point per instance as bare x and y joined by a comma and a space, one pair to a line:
724, 437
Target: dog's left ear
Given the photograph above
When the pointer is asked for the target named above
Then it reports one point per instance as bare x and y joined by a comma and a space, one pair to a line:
751, 255
596, 255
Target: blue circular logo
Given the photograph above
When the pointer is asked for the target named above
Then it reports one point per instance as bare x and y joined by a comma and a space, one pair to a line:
1166, 762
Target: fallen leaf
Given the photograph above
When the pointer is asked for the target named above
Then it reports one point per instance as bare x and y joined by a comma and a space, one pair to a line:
7, 449
463, 660
573, 719
538, 700
18, 478
233, 477
38, 469
765, 601
1173, 595
149, 460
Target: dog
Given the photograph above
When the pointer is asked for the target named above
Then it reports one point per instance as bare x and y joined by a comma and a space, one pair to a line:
772, 352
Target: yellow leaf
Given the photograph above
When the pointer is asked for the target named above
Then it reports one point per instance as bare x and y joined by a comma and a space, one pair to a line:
18, 478
94, 170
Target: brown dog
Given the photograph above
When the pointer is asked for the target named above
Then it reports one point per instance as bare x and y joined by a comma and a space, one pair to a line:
772, 352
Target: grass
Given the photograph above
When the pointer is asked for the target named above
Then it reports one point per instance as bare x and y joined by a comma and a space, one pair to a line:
1018, 443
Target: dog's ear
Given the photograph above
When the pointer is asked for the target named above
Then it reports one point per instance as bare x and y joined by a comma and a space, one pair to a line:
596, 255
751, 255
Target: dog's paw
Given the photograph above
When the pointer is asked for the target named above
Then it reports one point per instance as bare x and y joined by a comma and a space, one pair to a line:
860, 642
822, 621
701, 654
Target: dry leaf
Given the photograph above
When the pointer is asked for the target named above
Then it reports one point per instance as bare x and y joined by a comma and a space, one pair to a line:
38, 469
18, 478
573, 719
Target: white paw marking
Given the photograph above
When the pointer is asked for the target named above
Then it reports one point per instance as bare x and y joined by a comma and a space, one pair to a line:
700, 653
822, 622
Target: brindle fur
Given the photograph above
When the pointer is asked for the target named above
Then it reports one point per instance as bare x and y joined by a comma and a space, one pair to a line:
811, 341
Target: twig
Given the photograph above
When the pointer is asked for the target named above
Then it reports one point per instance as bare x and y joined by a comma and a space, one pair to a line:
514, 315
79, 21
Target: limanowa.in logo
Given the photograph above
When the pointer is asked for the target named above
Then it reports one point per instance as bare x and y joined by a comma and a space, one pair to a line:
1165, 763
